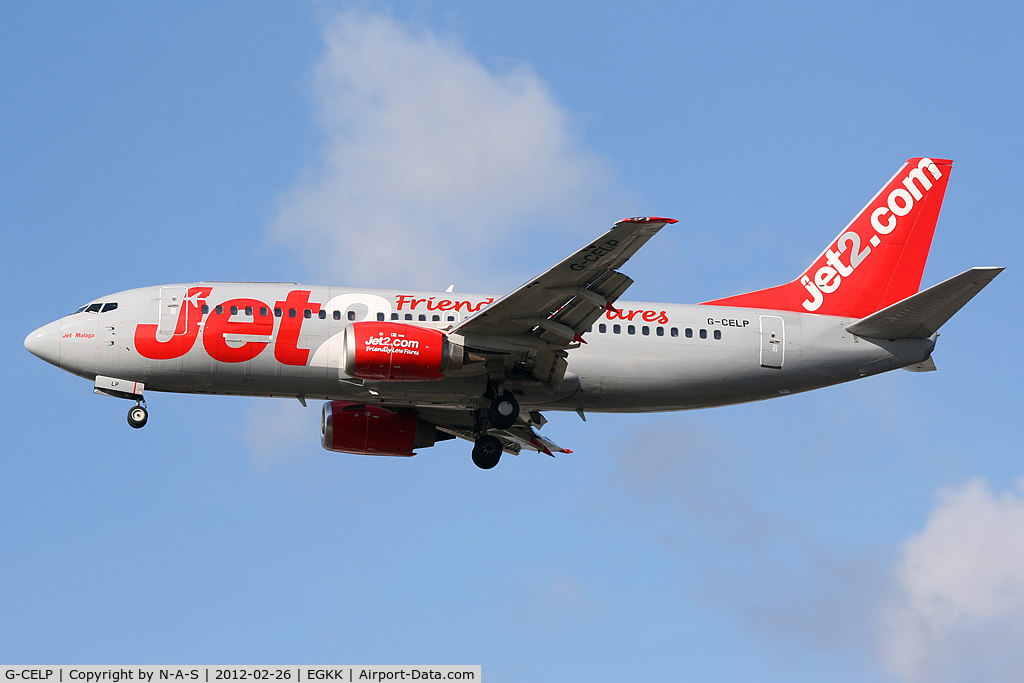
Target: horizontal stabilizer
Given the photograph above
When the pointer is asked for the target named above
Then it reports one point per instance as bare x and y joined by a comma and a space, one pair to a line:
921, 315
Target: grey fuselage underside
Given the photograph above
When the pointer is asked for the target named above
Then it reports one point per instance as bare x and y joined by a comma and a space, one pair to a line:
613, 372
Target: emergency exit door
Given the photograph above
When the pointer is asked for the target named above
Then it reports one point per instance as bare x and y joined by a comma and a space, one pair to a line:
773, 341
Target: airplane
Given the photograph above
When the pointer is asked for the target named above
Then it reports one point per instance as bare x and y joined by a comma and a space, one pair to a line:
402, 370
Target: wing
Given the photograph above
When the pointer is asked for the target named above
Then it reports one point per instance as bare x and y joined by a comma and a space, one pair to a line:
559, 304
524, 336
550, 312
521, 436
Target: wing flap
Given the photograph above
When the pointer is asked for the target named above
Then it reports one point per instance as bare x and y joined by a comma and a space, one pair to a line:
919, 316
518, 437
549, 367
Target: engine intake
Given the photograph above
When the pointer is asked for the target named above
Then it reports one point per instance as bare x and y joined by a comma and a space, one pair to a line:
397, 352
371, 430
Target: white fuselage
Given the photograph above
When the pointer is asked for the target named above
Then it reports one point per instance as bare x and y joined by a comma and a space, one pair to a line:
640, 357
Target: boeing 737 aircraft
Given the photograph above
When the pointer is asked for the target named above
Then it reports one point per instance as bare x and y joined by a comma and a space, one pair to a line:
401, 370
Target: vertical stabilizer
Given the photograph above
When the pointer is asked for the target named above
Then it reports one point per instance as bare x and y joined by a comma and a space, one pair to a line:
877, 260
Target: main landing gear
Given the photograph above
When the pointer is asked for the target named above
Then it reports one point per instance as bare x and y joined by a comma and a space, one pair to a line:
501, 414
138, 415
486, 452
503, 411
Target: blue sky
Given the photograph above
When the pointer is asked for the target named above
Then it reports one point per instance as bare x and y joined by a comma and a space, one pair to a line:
866, 532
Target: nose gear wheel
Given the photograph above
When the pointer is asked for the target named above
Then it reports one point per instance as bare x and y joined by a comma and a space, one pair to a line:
138, 415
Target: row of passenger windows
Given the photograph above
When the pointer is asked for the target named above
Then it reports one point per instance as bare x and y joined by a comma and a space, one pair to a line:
322, 314
96, 308
421, 317
660, 331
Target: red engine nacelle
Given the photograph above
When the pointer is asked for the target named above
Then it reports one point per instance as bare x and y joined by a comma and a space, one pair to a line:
371, 430
397, 352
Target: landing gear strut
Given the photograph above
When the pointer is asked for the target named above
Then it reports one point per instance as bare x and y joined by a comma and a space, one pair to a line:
138, 415
486, 452
503, 411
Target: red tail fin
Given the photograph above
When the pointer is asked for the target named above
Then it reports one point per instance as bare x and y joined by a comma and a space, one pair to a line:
877, 260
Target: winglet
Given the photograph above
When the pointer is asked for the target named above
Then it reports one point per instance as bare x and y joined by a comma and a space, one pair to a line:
541, 447
648, 219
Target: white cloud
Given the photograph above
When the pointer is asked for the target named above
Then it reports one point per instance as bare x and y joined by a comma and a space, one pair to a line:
957, 608
435, 168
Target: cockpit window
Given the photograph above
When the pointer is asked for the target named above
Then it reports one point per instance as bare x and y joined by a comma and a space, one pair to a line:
79, 310
94, 308
109, 307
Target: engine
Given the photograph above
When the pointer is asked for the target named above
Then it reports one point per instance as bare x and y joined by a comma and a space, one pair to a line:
371, 430
397, 352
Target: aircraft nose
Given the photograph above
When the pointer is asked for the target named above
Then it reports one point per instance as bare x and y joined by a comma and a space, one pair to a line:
45, 343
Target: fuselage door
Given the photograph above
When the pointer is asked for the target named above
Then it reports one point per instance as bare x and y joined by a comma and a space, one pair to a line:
172, 304
773, 341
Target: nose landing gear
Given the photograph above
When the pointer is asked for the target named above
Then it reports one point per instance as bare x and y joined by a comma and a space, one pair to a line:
138, 415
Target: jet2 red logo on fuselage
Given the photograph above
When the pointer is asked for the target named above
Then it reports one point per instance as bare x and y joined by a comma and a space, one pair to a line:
219, 324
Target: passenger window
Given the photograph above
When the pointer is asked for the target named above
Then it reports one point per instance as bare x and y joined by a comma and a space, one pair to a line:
109, 307
703, 334
234, 310
631, 329
380, 316
451, 318
94, 308
248, 310
219, 310
436, 318
646, 330
291, 312
689, 333
408, 316
263, 311
277, 312
602, 328
394, 316
718, 334
337, 315
307, 314
323, 314
616, 329
675, 331
423, 318
351, 315
661, 331
206, 309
